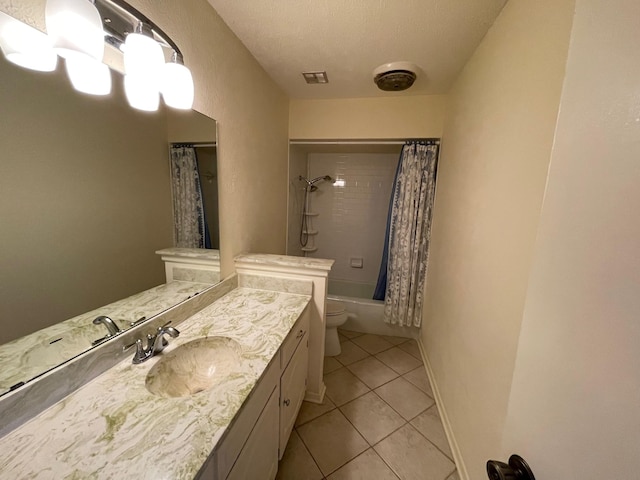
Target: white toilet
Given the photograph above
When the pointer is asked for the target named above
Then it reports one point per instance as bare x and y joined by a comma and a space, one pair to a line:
336, 315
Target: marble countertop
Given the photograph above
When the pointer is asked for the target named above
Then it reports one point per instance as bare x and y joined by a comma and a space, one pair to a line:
31, 355
286, 261
200, 253
113, 427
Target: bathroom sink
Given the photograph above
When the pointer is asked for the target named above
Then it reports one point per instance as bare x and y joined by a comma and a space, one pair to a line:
195, 367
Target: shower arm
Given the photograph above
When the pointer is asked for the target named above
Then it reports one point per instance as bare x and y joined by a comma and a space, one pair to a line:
310, 183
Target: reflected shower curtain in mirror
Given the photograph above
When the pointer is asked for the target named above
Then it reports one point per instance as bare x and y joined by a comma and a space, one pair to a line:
188, 208
409, 230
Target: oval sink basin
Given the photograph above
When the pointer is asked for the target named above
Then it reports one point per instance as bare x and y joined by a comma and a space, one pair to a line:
194, 367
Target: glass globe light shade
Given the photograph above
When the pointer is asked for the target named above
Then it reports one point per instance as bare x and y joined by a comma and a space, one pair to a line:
140, 94
75, 28
177, 87
88, 75
25, 46
142, 56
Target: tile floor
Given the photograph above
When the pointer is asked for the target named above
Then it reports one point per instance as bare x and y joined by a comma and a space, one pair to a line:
378, 420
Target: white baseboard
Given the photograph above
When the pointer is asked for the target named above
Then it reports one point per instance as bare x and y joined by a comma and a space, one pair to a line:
455, 450
316, 397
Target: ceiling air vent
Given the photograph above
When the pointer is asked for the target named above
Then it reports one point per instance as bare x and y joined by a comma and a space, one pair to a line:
315, 77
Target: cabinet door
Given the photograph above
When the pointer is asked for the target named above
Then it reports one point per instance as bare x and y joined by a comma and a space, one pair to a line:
259, 456
292, 389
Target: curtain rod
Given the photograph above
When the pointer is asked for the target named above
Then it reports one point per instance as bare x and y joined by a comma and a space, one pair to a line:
361, 142
194, 144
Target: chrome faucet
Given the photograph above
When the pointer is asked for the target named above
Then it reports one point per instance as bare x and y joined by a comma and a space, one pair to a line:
107, 322
155, 343
112, 328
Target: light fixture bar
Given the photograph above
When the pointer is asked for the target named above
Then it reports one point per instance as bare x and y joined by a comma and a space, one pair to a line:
119, 19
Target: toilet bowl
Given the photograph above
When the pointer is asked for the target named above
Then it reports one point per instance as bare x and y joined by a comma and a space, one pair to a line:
336, 315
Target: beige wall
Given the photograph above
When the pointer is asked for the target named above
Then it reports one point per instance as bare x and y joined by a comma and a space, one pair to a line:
574, 409
419, 116
495, 153
252, 115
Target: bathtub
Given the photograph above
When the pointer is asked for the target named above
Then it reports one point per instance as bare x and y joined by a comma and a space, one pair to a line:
365, 315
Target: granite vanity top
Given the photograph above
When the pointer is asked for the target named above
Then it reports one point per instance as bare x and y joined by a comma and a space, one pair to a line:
114, 428
199, 253
31, 355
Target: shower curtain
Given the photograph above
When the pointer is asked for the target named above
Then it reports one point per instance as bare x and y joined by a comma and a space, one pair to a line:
190, 228
404, 263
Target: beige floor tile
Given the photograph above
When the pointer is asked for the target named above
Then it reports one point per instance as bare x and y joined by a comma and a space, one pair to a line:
419, 378
342, 338
372, 343
454, 476
331, 365
373, 418
413, 457
297, 463
309, 410
366, 466
429, 424
343, 386
399, 360
394, 340
332, 441
349, 333
412, 348
350, 353
404, 398
372, 372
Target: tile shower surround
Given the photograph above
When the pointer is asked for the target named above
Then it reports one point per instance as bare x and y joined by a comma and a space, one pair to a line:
352, 219
378, 420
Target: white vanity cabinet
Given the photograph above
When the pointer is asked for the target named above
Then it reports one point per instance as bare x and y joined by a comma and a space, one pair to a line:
258, 436
293, 379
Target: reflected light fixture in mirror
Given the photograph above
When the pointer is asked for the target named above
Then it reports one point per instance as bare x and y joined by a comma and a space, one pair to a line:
177, 84
88, 75
25, 46
139, 95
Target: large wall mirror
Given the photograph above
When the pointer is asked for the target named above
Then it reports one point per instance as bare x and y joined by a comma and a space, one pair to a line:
85, 202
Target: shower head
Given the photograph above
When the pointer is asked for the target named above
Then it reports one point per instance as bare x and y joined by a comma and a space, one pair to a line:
311, 183
326, 178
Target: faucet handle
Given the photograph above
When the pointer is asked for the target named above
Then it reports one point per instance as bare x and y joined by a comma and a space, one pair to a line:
141, 354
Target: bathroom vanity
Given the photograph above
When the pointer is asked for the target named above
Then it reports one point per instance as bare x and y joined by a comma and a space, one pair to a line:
114, 425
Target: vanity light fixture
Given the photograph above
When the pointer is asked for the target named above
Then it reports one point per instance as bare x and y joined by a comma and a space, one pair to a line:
77, 31
147, 73
25, 46
143, 62
177, 84
75, 28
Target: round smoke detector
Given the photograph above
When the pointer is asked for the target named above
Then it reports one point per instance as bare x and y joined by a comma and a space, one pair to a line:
395, 76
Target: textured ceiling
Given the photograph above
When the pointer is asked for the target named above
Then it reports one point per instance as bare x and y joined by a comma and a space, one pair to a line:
349, 38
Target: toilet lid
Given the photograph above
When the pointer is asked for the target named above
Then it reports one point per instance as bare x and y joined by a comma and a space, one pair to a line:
335, 308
